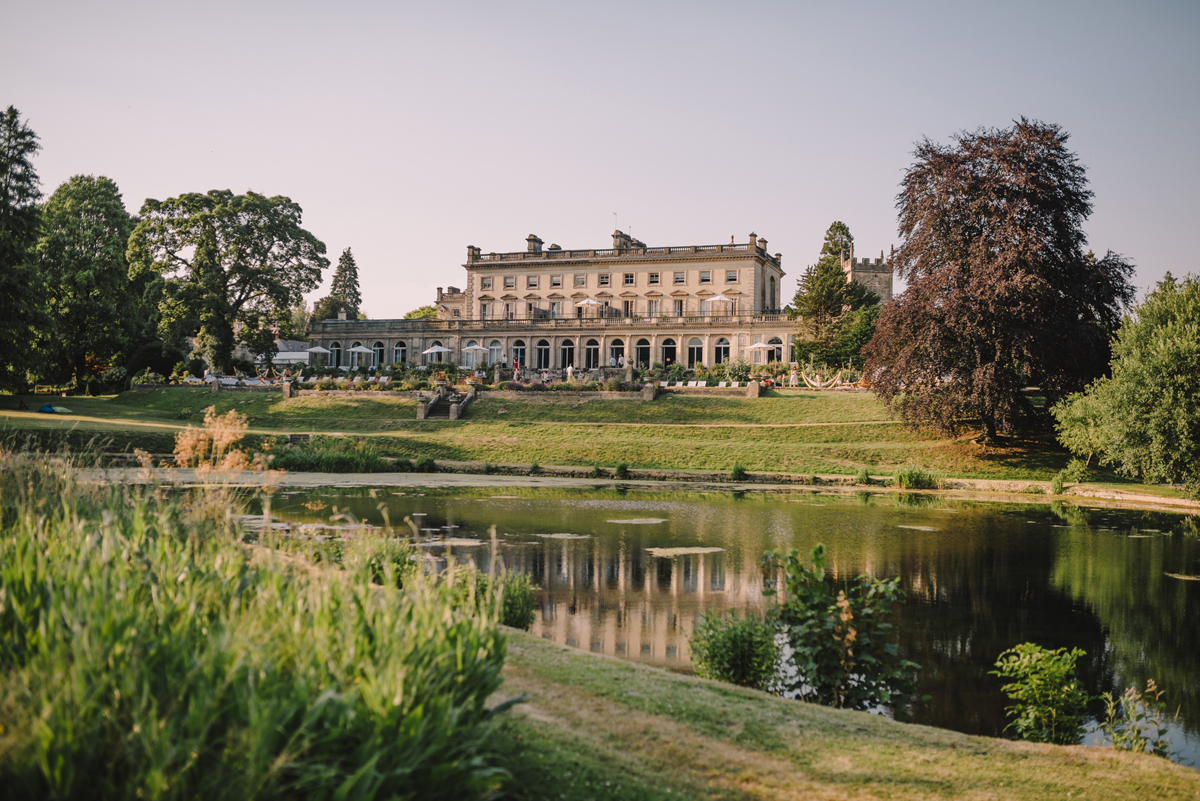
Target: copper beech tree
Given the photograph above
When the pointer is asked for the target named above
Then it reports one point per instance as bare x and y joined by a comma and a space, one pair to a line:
1001, 294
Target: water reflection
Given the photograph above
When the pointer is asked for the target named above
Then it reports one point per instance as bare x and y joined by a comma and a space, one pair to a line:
628, 574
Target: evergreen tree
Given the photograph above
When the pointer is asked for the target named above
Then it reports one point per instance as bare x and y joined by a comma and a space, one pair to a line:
21, 314
345, 285
824, 293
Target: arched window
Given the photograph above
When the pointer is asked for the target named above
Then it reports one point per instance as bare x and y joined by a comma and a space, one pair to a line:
518, 354
566, 354
775, 354
695, 355
495, 351
472, 356
721, 351
591, 354
355, 356
335, 354
616, 351
542, 354
642, 356
400, 353
773, 304
669, 355
435, 357
379, 352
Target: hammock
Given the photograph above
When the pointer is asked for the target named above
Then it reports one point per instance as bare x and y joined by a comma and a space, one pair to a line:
817, 383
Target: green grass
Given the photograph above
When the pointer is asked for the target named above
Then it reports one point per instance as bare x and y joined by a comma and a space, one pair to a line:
598, 728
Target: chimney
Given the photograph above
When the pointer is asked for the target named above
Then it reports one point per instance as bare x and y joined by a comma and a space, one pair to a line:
762, 245
535, 244
341, 314
753, 241
472, 253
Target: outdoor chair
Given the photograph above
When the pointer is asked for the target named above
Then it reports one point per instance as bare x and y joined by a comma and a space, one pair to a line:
721, 384
735, 384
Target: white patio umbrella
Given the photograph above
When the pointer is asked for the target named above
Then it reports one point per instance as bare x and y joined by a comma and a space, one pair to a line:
318, 349
436, 349
720, 299
360, 349
588, 302
759, 346
474, 347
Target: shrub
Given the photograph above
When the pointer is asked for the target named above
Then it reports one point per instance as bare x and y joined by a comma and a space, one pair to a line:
202, 675
1135, 721
622, 471
740, 651
912, 476
863, 477
1075, 471
489, 468
738, 473
534, 469
1056, 483
425, 464
333, 455
1048, 704
843, 650
518, 598
597, 471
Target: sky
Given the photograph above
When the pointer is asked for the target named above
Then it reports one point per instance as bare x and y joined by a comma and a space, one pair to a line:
408, 131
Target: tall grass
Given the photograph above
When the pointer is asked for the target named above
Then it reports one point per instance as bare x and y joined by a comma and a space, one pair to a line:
336, 455
913, 476
148, 653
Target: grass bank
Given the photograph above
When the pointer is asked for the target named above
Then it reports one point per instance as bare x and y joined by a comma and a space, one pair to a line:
598, 728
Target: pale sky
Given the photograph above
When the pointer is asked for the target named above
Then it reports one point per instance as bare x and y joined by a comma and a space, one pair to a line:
408, 131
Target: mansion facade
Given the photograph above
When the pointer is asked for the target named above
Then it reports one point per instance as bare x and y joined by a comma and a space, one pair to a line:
548, 308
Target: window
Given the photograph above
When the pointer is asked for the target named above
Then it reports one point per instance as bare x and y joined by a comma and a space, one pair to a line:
591, 354
355, 358
509, 313
494, 351
721, 352
652, 308
581, 280
706, 276
731, 276
695, 352
335, 354
435, 357
628, 279
627, 308
531, 282
643, 353
473, 360
541, 354
531, 310
510, 282
400, 353
603, 279
616, 352
653, 279
556, 282
379, 352
679, 307
485, 283
775, 354
519, 353
668, 352
680, 278
556, 308
483, 311
457, 313
566, 354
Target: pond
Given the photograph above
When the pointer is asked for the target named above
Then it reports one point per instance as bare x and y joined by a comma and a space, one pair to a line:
626, 572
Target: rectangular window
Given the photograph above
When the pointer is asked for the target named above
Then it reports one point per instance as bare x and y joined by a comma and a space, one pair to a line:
652, 308
483, 311
485, 283
531, 282
628, 279
653, 279
731, 276
706, 276
456, 313
581, 280
510, 282
556, 282
530, 311
627, 308
555, 308
508, 311
679, 308
680, 278
602, 279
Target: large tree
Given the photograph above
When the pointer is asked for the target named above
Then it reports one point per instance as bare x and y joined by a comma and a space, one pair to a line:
824, 293
81, 257
224, 261
1145, 418
20, 289
1001, 294
345, 284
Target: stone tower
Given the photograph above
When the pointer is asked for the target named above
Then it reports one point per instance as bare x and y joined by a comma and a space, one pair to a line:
874, 275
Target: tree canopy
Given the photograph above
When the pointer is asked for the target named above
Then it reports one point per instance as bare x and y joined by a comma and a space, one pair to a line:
345, 284
223, 261
422, 312
1001, 294
824, 293
20, 288
1145, 419
81, 257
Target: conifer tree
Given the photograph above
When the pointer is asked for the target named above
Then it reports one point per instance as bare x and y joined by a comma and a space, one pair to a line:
345, 284
824, 293
20, 298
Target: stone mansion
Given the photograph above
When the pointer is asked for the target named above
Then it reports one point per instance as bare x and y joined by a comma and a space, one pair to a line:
547, 308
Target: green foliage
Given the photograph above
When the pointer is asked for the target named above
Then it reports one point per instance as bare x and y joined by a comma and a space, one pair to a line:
1136, 721
743, 652
863, 477
844, 652
1075, 471
345, 284
21, 305
1056, 483
422, 313
1048, 704
518, 598
425, 464
738, 473
597, 471
1145, 419
534, 469
333, 455
913, 476
824, 295
738, 370
216, 260
145, 655
677, 372
622, 471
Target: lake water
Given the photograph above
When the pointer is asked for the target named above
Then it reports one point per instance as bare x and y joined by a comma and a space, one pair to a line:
627, 572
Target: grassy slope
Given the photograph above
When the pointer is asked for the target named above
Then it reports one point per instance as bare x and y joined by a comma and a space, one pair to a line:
598, 728
800, 432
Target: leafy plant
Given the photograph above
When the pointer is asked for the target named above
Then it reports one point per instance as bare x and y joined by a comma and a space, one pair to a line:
425, 464
1048, 704
738, 473
913, 476
863, 477
843, 650
1056, 483
740, 651
597, 471
1136, 721
534, 469
334, 455
518, 598
622, 471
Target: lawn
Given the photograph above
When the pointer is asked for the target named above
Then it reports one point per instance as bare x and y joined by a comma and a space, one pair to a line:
598, 728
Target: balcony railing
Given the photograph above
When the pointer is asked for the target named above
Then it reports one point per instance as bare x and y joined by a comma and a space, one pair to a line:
544, 255
355, 327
